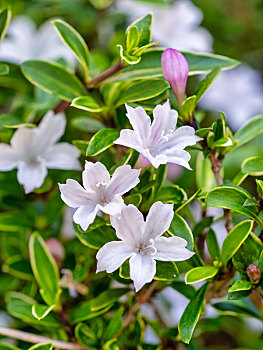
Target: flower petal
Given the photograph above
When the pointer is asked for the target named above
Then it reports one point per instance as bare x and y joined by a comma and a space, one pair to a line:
158, 220
129, 225
142, 270
164, 121
85, 215
24, 143
140, 121
94, 174
50, 130
181, 138
123, 180
171, 249
129, 138
74, 195
112, 255
157, 160
62, 156
114, 207
31, 175
180, 157
8, 158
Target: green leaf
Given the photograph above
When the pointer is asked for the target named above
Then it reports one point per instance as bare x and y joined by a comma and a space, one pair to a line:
239, 295
102, 140
47, 346
249, 131
45, 269
180, 228
20, 306
200, 273
134, 199
240, 310
11, 121
191, 315
107, 297
85, 335
206, 82
259, 187
166, 271
75, 42
13, 223
132, 38
18, 267
150, 65
5, 18
232, 198
4, 69
205, 178
114, 326
142, 90
53, 78
97, 234
260, 261
40, 311
171, 194
144, 29
87, 103
185, 289
212, 244
129, 59
87, 124
188, 107
253, 166
240, 285
234, 239
160, 177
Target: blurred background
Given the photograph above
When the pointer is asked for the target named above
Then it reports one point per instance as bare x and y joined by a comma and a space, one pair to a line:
228, 27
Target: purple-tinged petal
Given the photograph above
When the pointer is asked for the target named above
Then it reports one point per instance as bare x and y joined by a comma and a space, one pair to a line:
123, 180
180, 157
85, 215
140, 121
74, 195
94, 175
171, 249
112, 255
158, 220
142, 270
129, 225
175, 70
114, 207
129, 138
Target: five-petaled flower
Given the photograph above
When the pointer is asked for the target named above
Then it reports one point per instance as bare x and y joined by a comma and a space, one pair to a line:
158, 141
33, 151
141, 242
100, 192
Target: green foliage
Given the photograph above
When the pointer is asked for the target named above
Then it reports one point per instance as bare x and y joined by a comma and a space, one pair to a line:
199, 274
102, 140
5, 17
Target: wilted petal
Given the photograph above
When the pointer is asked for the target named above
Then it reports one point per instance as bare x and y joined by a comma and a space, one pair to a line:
114, 207
175, 70
140, 121
164, 121
171, 249
85, 215
142, 270
181, 138
129, 225
31, 175
62, 156
93, 175
8, 158
74, 195
180, 157
112, 255
129, 138
50, 130
123, 180
158, 220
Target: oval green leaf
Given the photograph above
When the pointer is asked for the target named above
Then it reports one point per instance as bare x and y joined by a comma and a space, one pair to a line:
240, 285
253, 166
200, 273
179, 227
87, 103
5, 17
102, 140
249, 131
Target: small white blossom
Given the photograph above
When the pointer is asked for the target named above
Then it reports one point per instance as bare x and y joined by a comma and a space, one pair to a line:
26, 42
141, 242
100, 192
33, 151
158, 141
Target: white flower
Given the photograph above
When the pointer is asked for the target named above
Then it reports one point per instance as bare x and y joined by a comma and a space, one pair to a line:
26, 42
33, 151
158, 141
100, 192
177, 25
141, 242
238, 93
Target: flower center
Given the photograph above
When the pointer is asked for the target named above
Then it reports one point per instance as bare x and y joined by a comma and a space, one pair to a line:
146, 248
102, 193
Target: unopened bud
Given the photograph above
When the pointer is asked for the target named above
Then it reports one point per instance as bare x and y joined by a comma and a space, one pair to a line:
253, 272
175, 70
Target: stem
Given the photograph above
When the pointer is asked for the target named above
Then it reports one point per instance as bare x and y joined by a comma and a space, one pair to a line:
61, 107
105, 75
34, 338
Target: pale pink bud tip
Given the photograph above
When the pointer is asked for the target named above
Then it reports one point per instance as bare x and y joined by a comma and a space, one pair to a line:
175, 70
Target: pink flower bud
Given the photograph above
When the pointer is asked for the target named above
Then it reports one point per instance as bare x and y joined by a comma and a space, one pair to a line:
253, 272
175, 70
